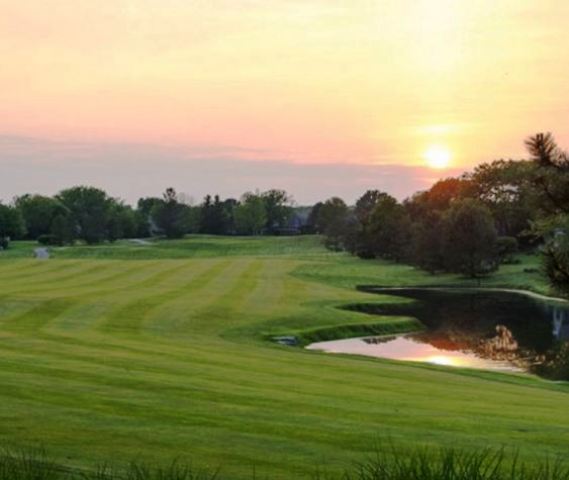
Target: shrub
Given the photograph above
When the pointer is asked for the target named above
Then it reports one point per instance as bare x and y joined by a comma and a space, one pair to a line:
556, 365
507, 248
49, 239
556, 258
469, 239
531, 270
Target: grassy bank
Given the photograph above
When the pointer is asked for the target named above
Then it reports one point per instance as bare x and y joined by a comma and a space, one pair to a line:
153, 351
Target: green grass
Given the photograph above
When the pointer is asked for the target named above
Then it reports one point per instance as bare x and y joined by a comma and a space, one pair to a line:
200, 246
117, 352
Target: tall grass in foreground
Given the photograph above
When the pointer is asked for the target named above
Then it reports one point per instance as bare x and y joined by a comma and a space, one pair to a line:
386, 464
454, 464
35, 465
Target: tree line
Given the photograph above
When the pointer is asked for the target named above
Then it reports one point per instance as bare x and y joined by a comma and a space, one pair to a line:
90, 215
468, 224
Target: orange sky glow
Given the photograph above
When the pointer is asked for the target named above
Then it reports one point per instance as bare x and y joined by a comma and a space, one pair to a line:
303, 82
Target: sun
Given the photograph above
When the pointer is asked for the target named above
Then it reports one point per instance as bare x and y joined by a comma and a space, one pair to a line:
437, 157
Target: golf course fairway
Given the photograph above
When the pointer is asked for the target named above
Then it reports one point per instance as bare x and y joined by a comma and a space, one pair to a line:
161, 350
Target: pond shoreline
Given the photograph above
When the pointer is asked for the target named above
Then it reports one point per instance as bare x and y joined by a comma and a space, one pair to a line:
409, 327
474, 345
529, 293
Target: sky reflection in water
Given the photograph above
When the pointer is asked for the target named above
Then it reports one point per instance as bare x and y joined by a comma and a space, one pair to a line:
491, 330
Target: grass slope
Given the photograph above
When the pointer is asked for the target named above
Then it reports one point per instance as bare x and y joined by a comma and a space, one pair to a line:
156, 351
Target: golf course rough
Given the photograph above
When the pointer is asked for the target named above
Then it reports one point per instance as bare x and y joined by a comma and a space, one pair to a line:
159, 351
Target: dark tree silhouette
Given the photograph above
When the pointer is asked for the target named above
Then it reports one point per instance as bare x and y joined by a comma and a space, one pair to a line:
470, 239
551, 177
169, 215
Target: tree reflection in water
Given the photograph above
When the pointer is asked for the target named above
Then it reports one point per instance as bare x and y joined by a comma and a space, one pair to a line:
527, 332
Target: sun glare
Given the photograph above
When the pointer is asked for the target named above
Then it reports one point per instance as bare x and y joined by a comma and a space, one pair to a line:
441, 360
437, 157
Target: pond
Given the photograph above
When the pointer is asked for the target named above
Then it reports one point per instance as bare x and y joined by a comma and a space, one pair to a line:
485, 329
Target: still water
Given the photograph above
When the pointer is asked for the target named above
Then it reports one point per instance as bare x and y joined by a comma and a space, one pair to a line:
493, 330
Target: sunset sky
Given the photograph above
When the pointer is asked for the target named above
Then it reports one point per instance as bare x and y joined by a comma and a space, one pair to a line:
320, 97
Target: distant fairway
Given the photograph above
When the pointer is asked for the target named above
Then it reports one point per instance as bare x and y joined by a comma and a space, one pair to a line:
135, 351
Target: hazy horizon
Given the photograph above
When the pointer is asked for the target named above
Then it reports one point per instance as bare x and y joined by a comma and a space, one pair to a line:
129, 171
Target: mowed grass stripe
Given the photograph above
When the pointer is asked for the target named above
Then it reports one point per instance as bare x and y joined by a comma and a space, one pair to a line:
68, 280
184, 319
64, 272
224, 306
37, 313
90, 278
40, 312
116, 276
131, 316
265, 297
99, 303
15, 271
65, 299
32, 320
